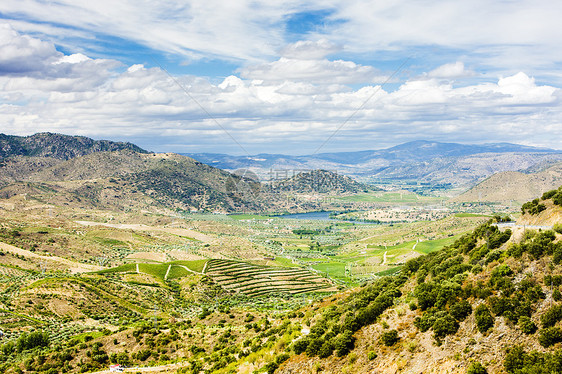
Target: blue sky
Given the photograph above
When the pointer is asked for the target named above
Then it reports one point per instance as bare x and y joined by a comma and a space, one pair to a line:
250, 77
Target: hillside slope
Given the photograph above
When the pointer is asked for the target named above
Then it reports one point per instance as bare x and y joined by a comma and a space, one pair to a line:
125, 179
514, 186
491, 302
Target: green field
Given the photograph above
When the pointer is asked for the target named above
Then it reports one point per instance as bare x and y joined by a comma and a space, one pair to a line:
428, 246
467, 215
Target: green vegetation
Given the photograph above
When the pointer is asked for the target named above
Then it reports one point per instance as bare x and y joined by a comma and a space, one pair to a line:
535, 206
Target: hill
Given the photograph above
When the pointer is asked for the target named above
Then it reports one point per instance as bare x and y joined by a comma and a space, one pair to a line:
421, 161
84, 172
485, 304
514, 186
124, 180
320, 181
58, 146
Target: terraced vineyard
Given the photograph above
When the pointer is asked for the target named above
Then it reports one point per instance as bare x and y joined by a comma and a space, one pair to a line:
11, 272
255, 280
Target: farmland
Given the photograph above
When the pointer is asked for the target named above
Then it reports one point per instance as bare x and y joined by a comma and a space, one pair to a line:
123, 281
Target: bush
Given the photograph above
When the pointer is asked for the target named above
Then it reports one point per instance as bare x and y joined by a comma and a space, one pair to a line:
476, 368
552, 315
461, 310
390, 338
445, 325
326, 350
300, 345
550, 336
32, 340
344, 343
484, 319
526, 325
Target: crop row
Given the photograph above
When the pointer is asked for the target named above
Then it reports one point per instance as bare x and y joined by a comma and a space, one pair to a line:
255, 280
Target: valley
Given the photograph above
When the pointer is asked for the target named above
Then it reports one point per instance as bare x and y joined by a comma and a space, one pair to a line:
162, 264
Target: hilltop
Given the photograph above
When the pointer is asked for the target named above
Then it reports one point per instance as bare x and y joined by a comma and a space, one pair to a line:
58, 146
124, 180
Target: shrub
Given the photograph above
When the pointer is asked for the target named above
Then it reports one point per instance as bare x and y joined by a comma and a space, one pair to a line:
461, 310
526, 325
476, 368
548, 195
552, 315
344, 343
550, 336
484, 319
326, 350
390, 338
32, 340
300, 345
445, 325
371, 355
425, 322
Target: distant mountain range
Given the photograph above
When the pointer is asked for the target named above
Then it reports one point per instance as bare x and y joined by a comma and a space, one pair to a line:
422, 161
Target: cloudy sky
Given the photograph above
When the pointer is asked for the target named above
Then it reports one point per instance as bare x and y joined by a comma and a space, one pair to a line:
296, 77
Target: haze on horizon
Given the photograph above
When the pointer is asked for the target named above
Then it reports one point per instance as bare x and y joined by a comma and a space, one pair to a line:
295, 78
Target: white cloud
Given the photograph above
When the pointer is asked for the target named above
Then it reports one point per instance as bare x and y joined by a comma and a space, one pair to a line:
23, 54
450, 71
289, 104
309, 50
496, 32
313, 70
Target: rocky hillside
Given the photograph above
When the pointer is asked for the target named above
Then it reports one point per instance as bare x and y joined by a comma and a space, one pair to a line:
320, 181
83, 172
58, 146
546, 210
514, 186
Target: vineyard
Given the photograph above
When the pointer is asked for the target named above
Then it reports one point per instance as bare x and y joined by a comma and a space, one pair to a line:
255, 280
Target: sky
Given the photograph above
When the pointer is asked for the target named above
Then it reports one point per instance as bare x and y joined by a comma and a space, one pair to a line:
295, 77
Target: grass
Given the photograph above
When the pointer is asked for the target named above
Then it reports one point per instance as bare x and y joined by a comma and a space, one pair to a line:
429, 246
468, 215
197, 265
177, 272
22, 316
333, 269
282, 261
390, 271
119, 269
